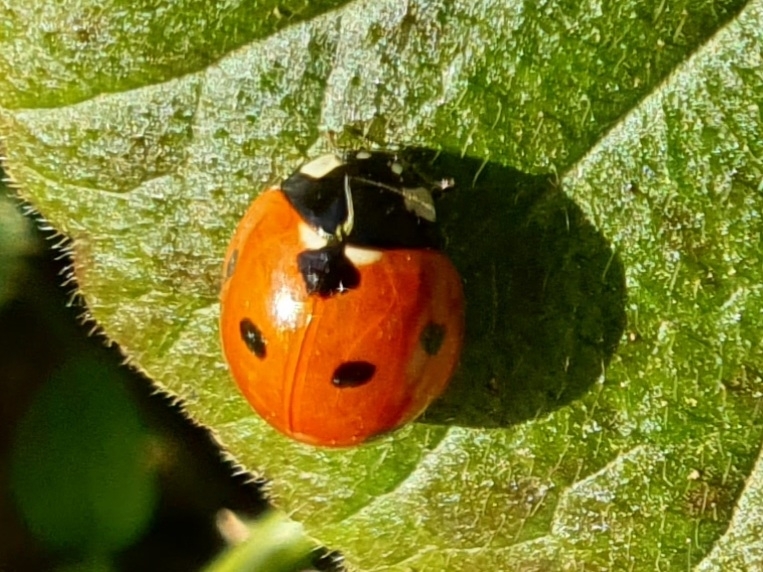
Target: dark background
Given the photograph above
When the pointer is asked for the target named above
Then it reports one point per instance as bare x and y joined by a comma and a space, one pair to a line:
82, 437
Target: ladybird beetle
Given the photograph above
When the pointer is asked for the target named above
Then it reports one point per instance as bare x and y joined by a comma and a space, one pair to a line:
341, 319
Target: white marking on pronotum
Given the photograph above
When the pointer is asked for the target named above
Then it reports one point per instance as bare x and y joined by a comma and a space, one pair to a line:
349, 222
310, 239
419, 201
321, 166
362, 256
362, 155
397, 168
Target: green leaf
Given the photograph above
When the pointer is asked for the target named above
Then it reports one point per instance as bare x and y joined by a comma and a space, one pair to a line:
605, 415
272, 543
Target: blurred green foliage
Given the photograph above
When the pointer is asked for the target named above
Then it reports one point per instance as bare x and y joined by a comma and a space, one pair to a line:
81, 469
15, 242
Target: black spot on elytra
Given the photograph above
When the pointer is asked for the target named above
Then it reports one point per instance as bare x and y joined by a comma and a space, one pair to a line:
230, 268
353, 374
432, 337
252, 337
327, 271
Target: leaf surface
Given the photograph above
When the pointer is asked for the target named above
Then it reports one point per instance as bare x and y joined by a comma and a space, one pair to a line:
606, 413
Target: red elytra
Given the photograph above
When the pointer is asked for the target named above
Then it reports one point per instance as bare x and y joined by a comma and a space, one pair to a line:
335, 368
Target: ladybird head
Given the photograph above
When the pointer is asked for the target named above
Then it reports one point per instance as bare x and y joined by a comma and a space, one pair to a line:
367, 199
